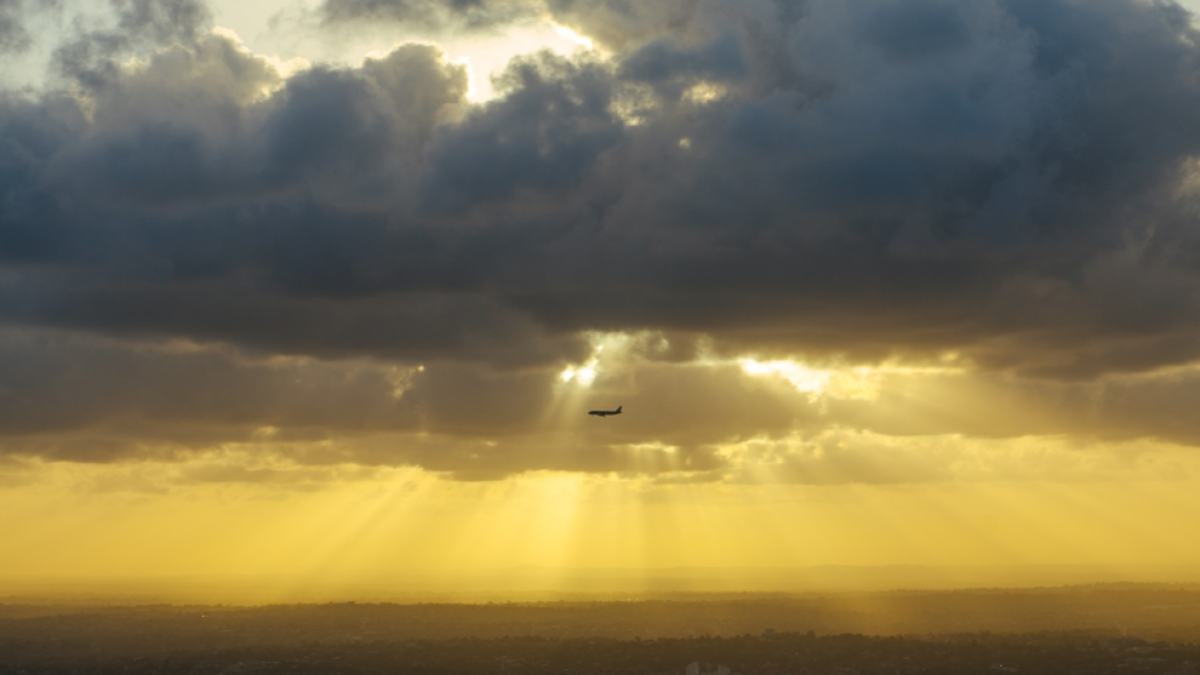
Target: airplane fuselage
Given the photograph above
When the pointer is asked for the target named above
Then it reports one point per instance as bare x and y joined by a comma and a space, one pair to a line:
605, 413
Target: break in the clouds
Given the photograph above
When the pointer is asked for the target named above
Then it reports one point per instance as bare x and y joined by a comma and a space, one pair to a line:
854, 182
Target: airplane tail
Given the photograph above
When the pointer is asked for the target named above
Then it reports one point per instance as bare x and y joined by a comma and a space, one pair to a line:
619, 409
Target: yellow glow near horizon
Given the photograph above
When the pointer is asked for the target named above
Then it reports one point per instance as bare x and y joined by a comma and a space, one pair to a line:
405, 522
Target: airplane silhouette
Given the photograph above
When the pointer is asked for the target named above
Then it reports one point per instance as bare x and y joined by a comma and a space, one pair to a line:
605, 413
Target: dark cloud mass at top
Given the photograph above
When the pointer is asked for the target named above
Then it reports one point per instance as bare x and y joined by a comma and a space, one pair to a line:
1014, 180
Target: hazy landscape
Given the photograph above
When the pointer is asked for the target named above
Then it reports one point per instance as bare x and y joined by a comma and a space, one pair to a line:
539, 584
1085, 629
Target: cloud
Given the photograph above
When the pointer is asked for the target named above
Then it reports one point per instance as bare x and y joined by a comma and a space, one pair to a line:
13, 36
435, 15
628, 25
554, 119
861, 177
852, 183
90, 58
70, 397
842, 457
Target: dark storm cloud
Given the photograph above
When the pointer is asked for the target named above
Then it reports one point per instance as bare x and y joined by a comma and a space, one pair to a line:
210, 125
554, 120
719, 61
828, 186
1008, 179
416, 326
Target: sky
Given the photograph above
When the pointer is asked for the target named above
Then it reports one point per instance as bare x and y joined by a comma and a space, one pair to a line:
327, 288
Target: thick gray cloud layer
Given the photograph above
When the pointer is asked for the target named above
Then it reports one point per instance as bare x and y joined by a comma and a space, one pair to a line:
73, 397
1015, 180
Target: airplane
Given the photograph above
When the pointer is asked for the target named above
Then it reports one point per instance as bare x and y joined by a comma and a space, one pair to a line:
605, 413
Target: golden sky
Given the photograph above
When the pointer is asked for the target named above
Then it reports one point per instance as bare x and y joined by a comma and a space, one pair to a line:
325, 290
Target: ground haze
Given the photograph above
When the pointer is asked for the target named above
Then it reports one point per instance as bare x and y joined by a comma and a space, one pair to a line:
1105, 628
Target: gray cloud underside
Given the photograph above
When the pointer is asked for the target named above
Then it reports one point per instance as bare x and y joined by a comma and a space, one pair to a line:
1011, 179
72, 397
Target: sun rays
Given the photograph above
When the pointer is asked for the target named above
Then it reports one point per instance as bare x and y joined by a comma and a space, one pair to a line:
633, 492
